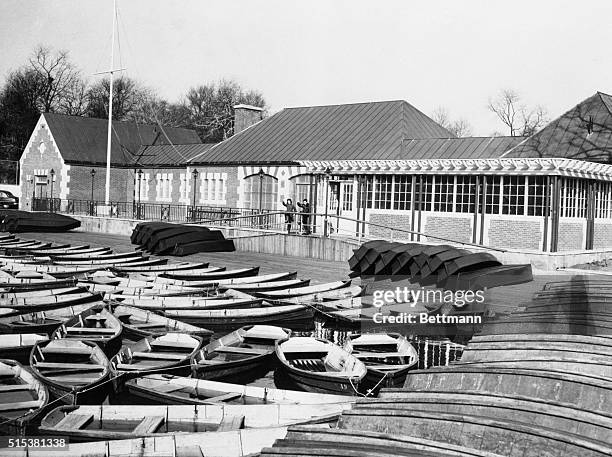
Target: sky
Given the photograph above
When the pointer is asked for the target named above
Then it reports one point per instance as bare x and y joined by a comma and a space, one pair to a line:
451, 54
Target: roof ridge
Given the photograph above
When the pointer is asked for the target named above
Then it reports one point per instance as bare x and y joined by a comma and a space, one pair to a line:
334, 105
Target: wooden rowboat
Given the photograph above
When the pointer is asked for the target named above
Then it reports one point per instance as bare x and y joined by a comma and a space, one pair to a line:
169, 353
160, 268
309, 290
236, 443
222, 282
316, 365
295, 317
18, 346
245, 354
96, 325
172, 390
266, 286
198, 275
22, 398
75, 372
190, 303
42, 321
26, 305
138, 324
104, 422
387, 356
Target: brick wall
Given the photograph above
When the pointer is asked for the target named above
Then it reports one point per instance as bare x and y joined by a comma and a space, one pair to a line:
571, 236
231, 184
602, 238
39, 157
453, 228
121, 183
515, 234
401, 221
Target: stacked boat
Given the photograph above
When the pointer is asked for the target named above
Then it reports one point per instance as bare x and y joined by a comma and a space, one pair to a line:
446, 266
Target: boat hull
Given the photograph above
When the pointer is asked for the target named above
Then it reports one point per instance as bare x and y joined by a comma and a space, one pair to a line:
246, 370
319, 383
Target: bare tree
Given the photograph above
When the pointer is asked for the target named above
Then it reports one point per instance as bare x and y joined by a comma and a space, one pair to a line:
130, 99
211, 108
459, 127
58, 77
520, 120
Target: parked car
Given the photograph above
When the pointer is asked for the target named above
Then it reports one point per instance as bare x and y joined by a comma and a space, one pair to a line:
8, 200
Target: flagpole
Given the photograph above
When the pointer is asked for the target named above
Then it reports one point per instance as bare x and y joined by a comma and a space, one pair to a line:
110, 111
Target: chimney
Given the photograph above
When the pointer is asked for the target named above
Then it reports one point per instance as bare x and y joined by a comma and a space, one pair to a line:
245, 116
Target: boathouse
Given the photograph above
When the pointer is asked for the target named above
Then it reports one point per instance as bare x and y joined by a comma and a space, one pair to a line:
372, 165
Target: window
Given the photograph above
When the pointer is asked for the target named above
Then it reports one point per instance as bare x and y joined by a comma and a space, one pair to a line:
443, 193
347, 196
383, 192
573, 198
268, 192
301, 186
402, 192
466, 194
513, 201
536, 195
183, 190
426, 195
492, 194
603, 198
204, 189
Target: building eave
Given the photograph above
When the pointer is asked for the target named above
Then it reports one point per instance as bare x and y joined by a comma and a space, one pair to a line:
500, 166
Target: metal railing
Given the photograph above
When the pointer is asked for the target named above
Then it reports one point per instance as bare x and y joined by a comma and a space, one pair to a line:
276, 221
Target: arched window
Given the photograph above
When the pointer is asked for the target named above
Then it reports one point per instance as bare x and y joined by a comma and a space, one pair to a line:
268, 195
301, 188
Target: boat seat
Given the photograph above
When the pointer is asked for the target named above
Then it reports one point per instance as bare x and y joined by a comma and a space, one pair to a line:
16, 388
90, 330
95, 317
231, 423
148, 425
74, 421
167, 388
66, 350
32, 404
192, 450
159, 355
149, 325
241, 350
6, 373
209, 362
68, 366
225, 397
173, 344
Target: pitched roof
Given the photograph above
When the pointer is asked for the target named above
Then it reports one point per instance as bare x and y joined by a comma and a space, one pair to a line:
83, 139
171, 155
458, 148
568, 136
355, 131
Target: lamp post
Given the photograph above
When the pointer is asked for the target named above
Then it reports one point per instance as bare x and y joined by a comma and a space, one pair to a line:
326, 225
93, 175
139, 193
31, 181
261, 175
52, 173
195, 174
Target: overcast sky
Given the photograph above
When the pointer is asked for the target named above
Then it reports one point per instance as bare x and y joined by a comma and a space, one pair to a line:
452, 53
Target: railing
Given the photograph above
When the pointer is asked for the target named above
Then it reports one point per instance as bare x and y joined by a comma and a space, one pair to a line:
276, 221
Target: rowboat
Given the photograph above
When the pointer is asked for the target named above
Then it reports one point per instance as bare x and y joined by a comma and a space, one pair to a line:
225, 282
22, 398
316, 365
299, 291
18, 346
160, 268
244, 354
266, 286
387, 356
75, 372
97, 256
107, 263
198, 275
26, 305
107, 422
343, 293
41, 321
56, 271
173, 390
236, 443
21, 285
96, 325
169, 353
190, 303
295, 317
138, 324
39, 293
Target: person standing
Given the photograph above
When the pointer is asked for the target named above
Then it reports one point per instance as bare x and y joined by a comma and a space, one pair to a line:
305, 208
289, 213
